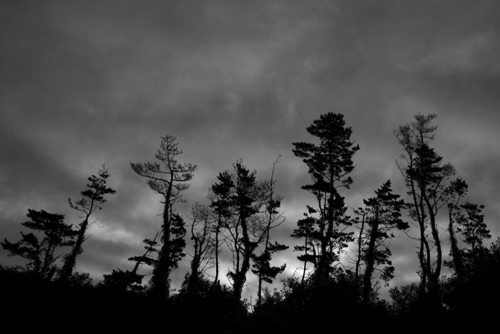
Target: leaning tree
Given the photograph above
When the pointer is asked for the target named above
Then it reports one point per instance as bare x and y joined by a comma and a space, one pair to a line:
92, 199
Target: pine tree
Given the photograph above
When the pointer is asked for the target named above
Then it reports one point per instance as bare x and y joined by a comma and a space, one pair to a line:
428, 181
305, 230
92, 199
382, 215
330, 165
167, 178
41, 254
245, 226
150, 255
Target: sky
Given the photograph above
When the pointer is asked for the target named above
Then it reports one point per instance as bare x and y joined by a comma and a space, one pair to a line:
86, 83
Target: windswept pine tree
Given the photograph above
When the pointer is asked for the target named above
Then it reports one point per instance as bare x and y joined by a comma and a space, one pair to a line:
168, 178
130, 279
431, 186
330, 164
149, 257
41, 253
92, 199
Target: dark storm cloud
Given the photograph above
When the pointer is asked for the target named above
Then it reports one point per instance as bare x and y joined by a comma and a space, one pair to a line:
87, 83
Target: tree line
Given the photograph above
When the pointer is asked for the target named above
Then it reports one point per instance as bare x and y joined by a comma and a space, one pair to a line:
238, 218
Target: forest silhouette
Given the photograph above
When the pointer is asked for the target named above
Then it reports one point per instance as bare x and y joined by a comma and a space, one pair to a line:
238, 219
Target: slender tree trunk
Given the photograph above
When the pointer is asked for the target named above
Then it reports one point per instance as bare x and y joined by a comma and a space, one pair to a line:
455, 252
370, 261
240, 276
360, 248
70, 261
305, 261
37, 261
259, 288
328, 254
268, 230
237, 269
217, 230
50, 271
47, 260
434, 287
437, 241
424, 251
136, 266
324, 263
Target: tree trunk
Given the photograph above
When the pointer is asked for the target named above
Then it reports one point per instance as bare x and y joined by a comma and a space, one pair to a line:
455, 252
160, 286
193, 281
305, 261
370, 262
360, 248
434, 287
217, 230
48, 259
70, 261
259, 288
240, 275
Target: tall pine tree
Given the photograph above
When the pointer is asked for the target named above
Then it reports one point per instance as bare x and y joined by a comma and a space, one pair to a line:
168, 178
330, 164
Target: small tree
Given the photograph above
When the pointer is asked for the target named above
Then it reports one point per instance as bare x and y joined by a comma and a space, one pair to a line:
146, 258
41, 254
201, 227
262, 263
245, 225
220, 201
305, 231
473, 229
167, 178
122, 281
92, 199
382, 215
130, 279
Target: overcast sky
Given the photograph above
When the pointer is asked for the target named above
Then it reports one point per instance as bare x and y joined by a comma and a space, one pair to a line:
86, 83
